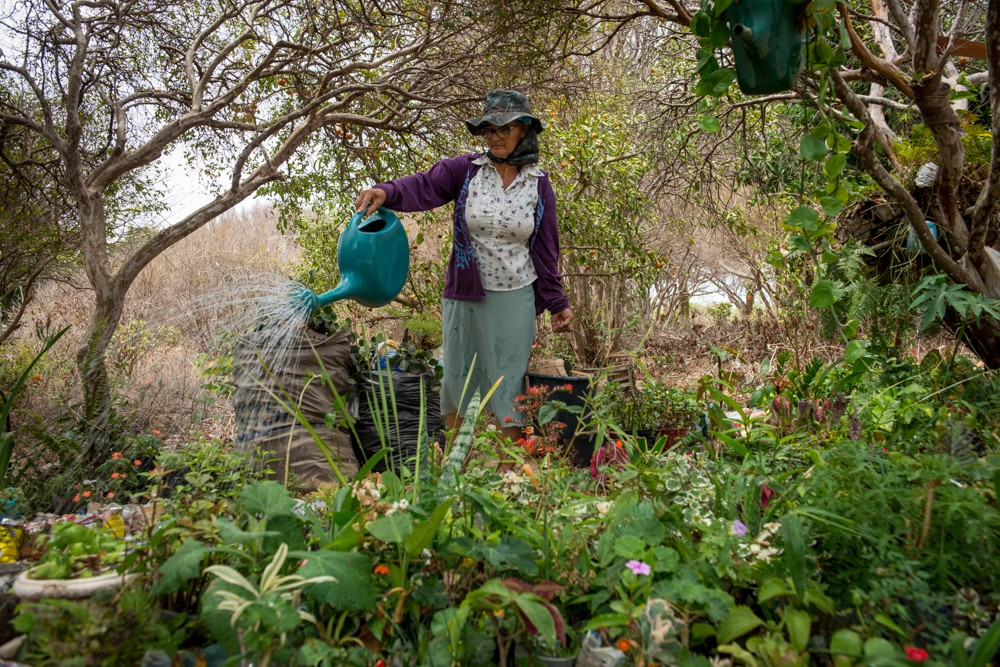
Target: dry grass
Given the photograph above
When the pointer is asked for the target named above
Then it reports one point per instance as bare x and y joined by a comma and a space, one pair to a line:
169, 318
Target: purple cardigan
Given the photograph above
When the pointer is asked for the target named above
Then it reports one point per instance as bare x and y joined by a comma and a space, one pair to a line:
447, 181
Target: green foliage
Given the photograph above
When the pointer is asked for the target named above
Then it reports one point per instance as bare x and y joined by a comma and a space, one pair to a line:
935, 296
73, 551
48, 339
102, 630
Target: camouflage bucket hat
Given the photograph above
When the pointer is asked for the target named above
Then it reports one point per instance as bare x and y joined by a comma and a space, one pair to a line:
502, 107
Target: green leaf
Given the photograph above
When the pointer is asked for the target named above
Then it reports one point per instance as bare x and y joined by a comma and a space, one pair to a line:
987, 646
181, 568
719, 36
739, 622
804, 217
547, 413
393, 529
824, 294
845, 645
834, 165
539, 615
268, 498
423, 533
855, 350
710, 124
795, 552
772, 588
797, 622
606, 621
352, 590
701, 24
665, 559
831, 205
811, 149
510, 553
629, 546
233, 534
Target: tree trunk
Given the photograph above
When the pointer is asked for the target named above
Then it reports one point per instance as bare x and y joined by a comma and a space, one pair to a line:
982, 336
91, 358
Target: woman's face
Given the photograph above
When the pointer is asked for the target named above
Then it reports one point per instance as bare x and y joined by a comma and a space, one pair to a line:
504, 139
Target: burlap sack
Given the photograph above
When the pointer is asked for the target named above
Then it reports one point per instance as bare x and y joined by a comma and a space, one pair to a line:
291, 370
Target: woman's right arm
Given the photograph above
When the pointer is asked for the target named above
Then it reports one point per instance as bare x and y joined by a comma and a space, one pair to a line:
418, 192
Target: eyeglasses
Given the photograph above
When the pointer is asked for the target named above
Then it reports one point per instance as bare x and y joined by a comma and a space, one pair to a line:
502, 132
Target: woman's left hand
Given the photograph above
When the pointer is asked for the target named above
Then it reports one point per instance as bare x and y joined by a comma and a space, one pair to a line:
563, 320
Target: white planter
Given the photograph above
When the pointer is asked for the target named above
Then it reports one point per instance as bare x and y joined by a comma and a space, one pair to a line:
30, 589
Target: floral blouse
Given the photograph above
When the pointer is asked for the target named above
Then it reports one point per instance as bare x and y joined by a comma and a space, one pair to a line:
501, 223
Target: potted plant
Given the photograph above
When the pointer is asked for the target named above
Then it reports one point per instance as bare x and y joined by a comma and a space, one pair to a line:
78, 562
555, 654
659, 409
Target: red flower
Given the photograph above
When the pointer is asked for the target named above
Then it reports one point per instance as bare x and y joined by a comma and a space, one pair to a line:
115, 475
137, 462
86, 494
914, 654
156, 431
116, 455
381, 569
508, 418
766, 493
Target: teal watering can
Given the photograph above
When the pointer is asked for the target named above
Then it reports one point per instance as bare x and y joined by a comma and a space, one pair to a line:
768, 43
373, 256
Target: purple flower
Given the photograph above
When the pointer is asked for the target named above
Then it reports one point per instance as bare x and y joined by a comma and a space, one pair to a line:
739, 528
638, 567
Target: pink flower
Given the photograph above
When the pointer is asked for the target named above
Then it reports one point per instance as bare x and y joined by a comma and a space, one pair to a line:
638, 567
914, 654
111, 494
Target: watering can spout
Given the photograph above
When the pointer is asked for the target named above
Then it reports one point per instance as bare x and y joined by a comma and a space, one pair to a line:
373, 256
744, 33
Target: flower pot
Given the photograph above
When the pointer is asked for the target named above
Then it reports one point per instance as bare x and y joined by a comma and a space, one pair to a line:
673, 435
554, 661
29, 589
578, 395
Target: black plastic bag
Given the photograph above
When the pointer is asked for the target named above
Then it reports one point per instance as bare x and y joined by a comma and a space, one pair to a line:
378, 392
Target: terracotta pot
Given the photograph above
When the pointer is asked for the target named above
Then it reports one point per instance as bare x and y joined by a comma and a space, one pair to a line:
29, 589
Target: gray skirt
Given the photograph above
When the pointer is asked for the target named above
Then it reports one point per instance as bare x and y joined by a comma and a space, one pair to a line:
498, 333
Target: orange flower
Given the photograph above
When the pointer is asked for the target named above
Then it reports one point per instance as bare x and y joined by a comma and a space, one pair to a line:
624, 645
111, 494
156, 431
137, 462
86, 494
381, 569
619, 444
76, 498
116, 455
115, 475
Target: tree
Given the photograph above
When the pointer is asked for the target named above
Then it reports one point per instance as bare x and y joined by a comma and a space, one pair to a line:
240, 87
877, 71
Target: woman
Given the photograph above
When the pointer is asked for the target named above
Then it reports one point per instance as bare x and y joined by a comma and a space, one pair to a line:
504, 265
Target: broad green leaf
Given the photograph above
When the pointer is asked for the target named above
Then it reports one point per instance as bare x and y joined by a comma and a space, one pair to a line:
824, 294
719, 36
510, 553
834, 165
739, 622
352, 590
547, 413
811, 148
831, 205
233, 534
701, 24
629, 546
539, 615
423, 533
268, 498
845, 645
394, 528
772, 588
855, 350
804, 217
710, 124
798, 623
181, 568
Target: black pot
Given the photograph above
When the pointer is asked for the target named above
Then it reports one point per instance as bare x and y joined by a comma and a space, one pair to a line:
581, 445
